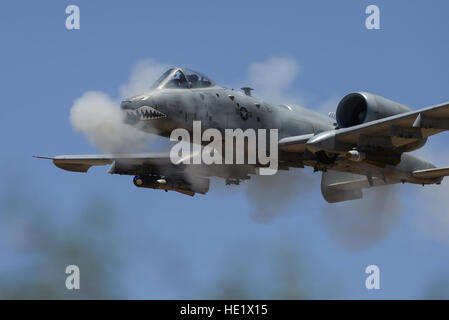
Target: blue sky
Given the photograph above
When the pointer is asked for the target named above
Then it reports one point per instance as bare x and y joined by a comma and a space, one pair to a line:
176, 246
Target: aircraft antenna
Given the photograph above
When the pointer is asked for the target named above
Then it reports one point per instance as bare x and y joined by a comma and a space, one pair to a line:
247, 90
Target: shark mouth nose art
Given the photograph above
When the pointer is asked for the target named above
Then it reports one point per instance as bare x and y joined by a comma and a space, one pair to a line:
144, 113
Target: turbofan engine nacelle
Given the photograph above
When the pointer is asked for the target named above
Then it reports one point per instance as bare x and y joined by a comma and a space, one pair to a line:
361, 107
178, 184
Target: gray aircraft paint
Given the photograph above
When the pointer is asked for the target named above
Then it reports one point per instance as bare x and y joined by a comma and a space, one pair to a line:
306, 137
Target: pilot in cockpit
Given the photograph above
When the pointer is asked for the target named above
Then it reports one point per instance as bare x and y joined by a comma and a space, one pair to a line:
193, 79
177, 78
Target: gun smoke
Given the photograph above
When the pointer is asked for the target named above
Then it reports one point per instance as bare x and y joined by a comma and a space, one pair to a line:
359, 224
270, 196
98, 116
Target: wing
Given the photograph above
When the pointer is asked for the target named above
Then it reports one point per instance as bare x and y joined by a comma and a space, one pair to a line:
397, 131
156, 170
82, 163
392, 133
294, 143
151, 164
431, 173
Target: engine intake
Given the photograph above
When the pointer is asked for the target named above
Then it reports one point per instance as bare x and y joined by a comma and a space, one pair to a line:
361, 107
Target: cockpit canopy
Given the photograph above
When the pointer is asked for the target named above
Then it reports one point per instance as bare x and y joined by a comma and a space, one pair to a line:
177, 78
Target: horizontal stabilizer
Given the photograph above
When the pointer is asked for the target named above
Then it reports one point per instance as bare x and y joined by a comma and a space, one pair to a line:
431, 173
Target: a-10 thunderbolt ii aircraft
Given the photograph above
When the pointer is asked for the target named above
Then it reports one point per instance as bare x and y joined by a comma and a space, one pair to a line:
365, 143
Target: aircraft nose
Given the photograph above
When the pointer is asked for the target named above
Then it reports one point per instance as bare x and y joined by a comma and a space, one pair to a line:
126, 104
129, 115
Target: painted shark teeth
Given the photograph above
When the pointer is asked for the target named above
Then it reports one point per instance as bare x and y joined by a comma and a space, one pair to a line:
145, 113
